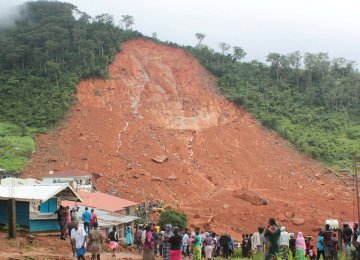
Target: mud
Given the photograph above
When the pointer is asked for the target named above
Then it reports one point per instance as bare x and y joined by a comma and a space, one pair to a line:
160, 103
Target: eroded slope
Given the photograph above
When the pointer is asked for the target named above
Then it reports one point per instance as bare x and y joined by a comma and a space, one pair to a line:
160, 101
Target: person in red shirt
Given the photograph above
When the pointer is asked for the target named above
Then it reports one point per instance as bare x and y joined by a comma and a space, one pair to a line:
93, 219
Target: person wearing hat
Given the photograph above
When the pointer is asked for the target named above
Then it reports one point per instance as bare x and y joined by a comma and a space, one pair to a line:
74, 213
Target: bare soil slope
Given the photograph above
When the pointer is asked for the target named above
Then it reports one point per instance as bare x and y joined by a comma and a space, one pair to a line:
159, 104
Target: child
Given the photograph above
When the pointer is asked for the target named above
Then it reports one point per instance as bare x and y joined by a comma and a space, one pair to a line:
308, 245
244, 246
312, 253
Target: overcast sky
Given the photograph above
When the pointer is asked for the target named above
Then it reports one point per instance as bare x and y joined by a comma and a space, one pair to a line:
258, 26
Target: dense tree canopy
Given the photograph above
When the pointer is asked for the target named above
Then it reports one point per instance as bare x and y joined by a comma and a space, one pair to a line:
311, 100
173, 217
42, 59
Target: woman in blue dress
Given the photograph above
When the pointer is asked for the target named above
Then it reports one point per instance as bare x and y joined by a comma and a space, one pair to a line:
128, 236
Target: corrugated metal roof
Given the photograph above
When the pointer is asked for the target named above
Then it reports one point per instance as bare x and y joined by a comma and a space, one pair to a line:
104, 201
29, 192
14, 181
108, 219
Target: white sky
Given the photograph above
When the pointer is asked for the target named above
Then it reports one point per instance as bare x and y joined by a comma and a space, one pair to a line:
258, 26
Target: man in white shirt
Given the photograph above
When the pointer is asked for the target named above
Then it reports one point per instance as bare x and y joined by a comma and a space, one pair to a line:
185, 244
78, 236
284, 243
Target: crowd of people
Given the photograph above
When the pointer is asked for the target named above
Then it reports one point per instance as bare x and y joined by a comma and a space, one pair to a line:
169, 242
272, 242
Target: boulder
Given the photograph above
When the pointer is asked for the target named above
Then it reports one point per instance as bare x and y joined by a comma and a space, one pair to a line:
155, 178
160, 158
250, 196
297, 221
172, 178
289, 214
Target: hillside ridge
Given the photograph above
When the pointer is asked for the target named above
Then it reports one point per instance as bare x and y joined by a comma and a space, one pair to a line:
160, 102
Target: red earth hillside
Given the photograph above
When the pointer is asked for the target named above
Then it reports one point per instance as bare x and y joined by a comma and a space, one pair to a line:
160, 104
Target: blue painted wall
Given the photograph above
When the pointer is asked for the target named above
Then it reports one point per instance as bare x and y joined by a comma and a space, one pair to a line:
44, 225
22, 213
49, 206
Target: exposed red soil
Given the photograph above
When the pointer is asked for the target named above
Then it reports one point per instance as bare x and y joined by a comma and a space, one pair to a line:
49, 246
160, 101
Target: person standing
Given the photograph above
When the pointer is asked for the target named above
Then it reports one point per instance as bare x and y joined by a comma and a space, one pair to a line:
113, 241
225, 243
128, 236
74, 213
255, 242
67, 219
272, 235
61, 215
308, 245
292, 245
93, 218
320, 246
166, 245
209, 246
327, 234
78, 236
300, 247
86, 217
175, 245
161, 242
284, 243
185, 243
197, 245
347, 234
138, 235
244, 246
334, 247
95, 242
148, 248
156, 237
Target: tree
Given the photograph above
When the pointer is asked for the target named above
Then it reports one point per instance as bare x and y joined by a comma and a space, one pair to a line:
127, 21
275, 60
224, 47
173, 217
238, 53
200, 37
154, 35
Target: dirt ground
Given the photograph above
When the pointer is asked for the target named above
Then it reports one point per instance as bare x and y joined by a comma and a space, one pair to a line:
48, 246
226, 171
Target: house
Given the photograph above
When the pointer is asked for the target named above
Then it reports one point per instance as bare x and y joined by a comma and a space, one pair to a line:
5, 174
79, 179
107, 220
108, 202
111, 210
36, 204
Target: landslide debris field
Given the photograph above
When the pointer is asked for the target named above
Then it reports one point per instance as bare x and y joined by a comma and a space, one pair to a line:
159, 121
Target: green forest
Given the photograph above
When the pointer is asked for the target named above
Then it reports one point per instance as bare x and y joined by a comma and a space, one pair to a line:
42, 59
309, 99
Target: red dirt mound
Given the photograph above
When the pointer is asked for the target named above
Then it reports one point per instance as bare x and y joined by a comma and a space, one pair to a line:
158, 115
